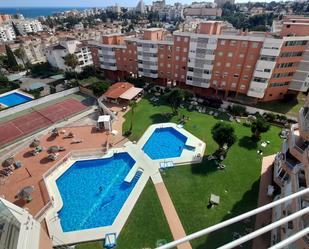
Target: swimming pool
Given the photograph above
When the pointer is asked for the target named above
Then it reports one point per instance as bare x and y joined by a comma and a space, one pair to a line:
13, 99
165, 143
94, 191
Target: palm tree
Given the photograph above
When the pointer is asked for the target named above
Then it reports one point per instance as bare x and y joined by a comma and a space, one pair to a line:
132, 105
176, 96
259, 126
71, 61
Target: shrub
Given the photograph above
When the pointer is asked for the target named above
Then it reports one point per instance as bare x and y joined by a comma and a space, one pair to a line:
237, 110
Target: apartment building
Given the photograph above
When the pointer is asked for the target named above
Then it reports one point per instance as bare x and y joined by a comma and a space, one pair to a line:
4, 18
244, 66
291, 174
33, 50
7, 33
26, 26
55, 54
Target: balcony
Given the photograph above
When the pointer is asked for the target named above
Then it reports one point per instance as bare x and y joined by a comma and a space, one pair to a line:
144, 49
297, 145
147, 58
108, 66
147, 66
106, 52
303, 122
271, 52
293, 165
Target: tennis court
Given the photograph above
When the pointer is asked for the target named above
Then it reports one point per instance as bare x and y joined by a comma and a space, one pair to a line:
38, 119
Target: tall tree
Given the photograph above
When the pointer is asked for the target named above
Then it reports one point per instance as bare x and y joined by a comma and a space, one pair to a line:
223, 133
71, 61
11, 60
259, 126
176, 96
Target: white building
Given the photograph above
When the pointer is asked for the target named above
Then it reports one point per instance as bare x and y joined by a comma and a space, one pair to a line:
7, 33
140, 7
27, 26
34, 50
19, 230
55, 54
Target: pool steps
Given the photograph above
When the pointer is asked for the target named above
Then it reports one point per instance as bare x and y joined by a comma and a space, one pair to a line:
133, 172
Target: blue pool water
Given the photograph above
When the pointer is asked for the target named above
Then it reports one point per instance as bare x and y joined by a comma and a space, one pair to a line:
84, 205
165, 143
14, 99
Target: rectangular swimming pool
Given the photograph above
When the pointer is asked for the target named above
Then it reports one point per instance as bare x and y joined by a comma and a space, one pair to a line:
13, 99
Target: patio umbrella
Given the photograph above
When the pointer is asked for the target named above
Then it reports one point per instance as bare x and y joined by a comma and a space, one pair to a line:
35, 143
8, 162
25, 193
53, 149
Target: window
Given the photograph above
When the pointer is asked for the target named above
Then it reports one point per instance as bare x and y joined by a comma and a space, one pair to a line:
184, 59
230, 54
242, 87
255, 45
176, 75
292, 54
186, 39
241, 55
177, 49
177, 58
285, 65
168, 65
161, 64
185, 50
161, 56
182, 76
279, 84
228, 64
220, 53
238, 65
233, 85
178, 38
218, 64
232, 43
245, 77
236, 75
223, 83
225, 74
267, 70
282, 75
130, 51
267, 58
177, 66
161, 46
295, 43
214, 82
248, 66
222, 42
251, 57
244, 44
259, 79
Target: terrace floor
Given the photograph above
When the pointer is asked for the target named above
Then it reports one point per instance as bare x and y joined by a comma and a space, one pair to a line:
39, 164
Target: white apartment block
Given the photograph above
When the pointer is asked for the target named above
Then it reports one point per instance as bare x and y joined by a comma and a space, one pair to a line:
34, 51
55, 54
28, 26
7, 33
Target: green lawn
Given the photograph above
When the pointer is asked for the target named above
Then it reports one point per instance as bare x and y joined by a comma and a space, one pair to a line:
145, 225
290, 108
191, 186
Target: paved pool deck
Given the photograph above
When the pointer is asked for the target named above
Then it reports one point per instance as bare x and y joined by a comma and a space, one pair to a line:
171, 215
265, 217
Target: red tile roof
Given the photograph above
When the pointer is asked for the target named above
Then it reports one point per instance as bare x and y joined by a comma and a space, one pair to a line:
117, 89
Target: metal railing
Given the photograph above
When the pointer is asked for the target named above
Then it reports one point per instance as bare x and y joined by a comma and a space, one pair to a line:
241, 217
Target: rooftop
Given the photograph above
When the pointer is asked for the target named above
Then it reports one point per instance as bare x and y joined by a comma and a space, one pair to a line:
117, 89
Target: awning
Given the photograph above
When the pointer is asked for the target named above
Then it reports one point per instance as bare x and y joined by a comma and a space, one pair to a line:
131, 93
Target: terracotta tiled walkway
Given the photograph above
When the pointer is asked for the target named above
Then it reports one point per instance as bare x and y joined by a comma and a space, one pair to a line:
171, 215
264, 217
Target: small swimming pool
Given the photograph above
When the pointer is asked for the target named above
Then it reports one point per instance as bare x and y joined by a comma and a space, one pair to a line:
165, 143
94, 191
13, 99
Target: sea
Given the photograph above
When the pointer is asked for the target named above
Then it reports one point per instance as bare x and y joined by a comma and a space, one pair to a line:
30, 12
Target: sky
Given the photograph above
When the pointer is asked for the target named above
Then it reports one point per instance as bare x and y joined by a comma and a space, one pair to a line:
85, 3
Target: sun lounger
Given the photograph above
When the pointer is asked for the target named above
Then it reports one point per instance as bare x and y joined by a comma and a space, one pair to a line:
110, 240
77, 141
165, 165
